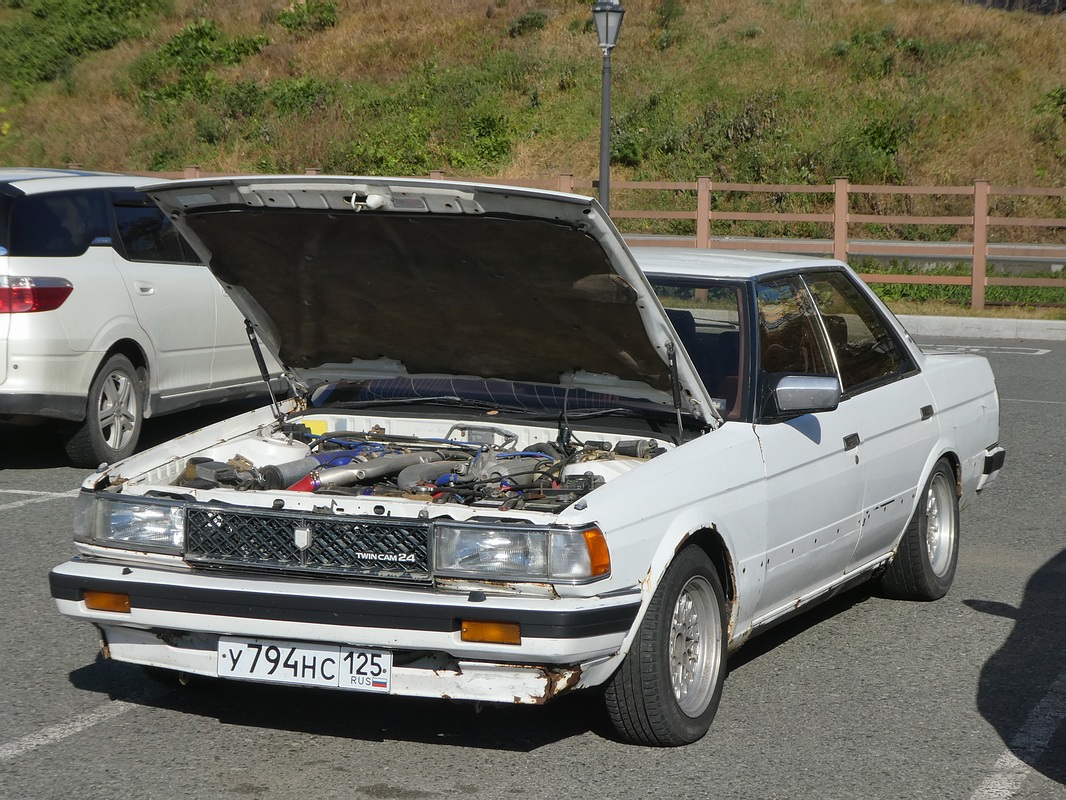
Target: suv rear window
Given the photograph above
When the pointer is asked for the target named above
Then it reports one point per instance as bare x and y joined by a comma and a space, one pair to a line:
60, 224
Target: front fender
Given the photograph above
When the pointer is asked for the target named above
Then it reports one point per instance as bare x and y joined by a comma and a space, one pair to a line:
715, 483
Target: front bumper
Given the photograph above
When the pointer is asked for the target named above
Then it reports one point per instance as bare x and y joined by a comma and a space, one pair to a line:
176, 618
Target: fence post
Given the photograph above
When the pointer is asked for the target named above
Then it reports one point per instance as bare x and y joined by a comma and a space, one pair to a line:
980, 245
703, 212
841, 203
192, 172
566, 182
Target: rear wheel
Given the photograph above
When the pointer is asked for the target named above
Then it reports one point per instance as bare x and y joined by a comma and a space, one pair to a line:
114, 416
924, 566
668, 688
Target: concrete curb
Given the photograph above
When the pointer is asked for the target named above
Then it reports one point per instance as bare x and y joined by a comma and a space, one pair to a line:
985, 327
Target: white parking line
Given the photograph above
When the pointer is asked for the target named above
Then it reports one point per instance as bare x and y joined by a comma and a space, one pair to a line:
28, 491
61, 731
1000, 349
1027, 746
1045, 402
38, 497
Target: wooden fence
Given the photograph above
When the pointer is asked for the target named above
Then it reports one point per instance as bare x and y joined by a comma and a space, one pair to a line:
837, 200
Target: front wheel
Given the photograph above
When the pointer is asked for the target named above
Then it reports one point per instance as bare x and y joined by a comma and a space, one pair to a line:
113, 417
924, 565
668, 688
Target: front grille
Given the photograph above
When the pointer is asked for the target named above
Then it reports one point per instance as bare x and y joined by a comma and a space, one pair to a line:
307, 544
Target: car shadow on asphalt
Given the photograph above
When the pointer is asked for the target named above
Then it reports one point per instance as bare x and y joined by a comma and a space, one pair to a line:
1023, 685
791, 628
28, 448
353, 715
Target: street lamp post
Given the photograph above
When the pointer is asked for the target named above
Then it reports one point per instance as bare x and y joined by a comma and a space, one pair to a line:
607, 14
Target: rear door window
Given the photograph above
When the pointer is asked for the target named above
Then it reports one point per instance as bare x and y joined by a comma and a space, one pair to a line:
60, 224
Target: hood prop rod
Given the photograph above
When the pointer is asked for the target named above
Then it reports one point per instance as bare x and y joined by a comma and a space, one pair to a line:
675, 381
253, 340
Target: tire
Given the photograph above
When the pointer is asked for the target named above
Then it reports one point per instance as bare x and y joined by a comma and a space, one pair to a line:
668, 688
928, 554
114, 416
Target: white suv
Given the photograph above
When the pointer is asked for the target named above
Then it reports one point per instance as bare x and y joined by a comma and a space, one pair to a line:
107, 316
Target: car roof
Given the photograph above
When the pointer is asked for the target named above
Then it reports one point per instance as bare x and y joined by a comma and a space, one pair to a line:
36, 180
733, 264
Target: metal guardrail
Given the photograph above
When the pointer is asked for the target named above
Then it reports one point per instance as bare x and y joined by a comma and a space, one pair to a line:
837, 197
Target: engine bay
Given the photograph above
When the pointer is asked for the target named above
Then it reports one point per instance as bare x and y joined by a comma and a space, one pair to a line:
472, 465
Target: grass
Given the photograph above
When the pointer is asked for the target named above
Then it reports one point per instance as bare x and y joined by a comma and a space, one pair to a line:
940, 308
770, 91
774, 91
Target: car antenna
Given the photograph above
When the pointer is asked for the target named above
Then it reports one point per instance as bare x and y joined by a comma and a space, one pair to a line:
263, 372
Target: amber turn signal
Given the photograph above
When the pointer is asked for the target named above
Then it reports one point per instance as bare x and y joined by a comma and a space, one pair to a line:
599, 557
492, 632
107, 601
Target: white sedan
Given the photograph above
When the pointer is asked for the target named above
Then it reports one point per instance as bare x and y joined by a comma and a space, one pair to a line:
519, 460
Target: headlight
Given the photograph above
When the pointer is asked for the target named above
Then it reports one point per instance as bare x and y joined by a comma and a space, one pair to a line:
520, 553
134, 523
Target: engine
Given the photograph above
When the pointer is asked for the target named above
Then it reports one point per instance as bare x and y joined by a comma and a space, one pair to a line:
485, 467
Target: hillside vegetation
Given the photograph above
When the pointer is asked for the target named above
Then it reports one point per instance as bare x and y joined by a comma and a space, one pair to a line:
782, 91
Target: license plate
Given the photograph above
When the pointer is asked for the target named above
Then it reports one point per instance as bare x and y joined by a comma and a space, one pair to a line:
305, 664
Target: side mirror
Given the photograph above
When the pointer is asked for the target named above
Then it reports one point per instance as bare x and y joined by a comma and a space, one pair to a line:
806, 394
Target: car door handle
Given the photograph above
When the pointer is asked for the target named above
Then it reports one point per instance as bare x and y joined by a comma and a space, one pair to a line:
927, 412
851, 441
144, 287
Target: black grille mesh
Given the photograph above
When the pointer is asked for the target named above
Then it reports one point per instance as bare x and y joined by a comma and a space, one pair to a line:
340, 546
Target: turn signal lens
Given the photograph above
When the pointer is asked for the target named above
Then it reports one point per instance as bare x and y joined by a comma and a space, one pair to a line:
107, 601
492, 632
599, 556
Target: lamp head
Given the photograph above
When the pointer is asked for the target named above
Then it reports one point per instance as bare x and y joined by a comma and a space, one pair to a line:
607, 14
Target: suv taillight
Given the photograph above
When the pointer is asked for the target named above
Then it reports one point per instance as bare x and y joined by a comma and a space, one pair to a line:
21, 295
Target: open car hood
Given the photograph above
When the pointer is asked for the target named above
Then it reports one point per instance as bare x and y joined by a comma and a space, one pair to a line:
350, 278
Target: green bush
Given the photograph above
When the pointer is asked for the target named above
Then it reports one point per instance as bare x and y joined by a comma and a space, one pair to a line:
527, 23
1008, 295
46, 38
1054, 102
181, 68
301, 96
668, 12
309, 16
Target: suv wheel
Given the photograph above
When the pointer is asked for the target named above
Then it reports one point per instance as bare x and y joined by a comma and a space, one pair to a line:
114, 416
